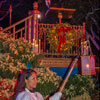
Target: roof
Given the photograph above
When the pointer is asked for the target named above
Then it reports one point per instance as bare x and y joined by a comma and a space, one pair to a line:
66, 13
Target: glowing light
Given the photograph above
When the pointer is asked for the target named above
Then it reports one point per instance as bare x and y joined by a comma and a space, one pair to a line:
38, 16
87, 65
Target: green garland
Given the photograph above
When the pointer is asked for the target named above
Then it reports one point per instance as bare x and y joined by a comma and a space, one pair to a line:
61, 37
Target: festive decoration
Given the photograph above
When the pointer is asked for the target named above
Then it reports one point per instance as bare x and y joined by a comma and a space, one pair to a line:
61, 37
14, 54
88, 65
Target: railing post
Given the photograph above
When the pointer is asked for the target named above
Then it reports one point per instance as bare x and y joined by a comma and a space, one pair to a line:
10, 12
25, 35
83, 32
39, 47
34, 25
14, 32
83, 39
60, 17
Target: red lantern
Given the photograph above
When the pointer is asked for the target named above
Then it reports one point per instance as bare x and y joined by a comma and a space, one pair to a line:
88, 65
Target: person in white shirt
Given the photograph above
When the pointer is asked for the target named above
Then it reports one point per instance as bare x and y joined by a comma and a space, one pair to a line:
27, 82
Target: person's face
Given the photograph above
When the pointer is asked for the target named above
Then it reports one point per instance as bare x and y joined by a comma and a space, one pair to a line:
31, 82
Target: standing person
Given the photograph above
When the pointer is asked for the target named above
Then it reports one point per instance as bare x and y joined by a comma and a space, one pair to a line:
27, 82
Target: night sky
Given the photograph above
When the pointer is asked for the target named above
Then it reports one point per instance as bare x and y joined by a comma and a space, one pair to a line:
20, 9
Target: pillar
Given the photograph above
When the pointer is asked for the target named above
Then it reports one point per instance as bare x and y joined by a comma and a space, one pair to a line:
34, 26
60, 17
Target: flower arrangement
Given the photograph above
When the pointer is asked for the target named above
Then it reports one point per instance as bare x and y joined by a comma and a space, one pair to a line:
6, 87
61, 37
16, 54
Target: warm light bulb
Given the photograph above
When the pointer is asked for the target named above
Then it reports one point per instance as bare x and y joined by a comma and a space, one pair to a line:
38, 16
87, 65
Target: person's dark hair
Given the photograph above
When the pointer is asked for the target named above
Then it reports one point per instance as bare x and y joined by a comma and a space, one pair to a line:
21, 82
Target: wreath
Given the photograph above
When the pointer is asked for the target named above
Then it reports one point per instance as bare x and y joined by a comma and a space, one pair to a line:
61, 37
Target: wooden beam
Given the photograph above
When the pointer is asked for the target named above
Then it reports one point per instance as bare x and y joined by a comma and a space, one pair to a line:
55, 62
62, 9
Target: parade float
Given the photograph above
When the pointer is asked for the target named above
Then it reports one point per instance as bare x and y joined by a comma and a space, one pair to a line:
41, 46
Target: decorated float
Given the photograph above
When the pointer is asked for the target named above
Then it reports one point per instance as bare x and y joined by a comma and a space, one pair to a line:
47, 45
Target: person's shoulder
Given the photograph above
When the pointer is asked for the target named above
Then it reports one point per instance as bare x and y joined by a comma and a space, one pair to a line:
39, 95
23, 96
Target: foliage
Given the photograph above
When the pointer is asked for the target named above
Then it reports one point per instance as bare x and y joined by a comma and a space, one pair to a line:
16, 54
6, 87
61, 37
81, 87
48, 81
8, 74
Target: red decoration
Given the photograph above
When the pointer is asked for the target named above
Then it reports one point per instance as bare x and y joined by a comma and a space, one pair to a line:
61, 38
5, 98
83, 37
39, 61
61, 31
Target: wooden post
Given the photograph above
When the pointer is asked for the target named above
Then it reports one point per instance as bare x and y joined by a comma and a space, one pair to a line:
14, 32
34, 25
65, 81
37, 31
25, 35
83, 39
10, 12
35, 13
84, 31
60, 17
39, 47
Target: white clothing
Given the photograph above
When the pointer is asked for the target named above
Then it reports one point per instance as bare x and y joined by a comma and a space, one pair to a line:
27, 95
56, 96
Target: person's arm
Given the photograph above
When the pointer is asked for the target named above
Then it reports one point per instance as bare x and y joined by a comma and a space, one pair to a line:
56, 96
